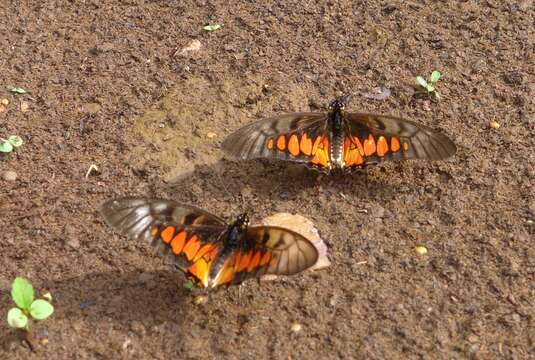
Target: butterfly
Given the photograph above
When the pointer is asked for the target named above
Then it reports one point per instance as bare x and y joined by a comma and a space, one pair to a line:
337, 140
206, 248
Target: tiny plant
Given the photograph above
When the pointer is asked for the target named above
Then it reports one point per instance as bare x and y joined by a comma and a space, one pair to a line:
7, 145
23, 296
211, 28
18, 90
188, 285
430, 86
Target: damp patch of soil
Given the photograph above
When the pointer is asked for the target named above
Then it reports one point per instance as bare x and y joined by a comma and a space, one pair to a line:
110, 84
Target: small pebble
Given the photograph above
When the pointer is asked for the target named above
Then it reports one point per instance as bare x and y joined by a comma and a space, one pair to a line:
200, 300
4, 102
2, 108
420, 250
472, 338
47, 296
211, 135
92, 108
44, 341
9, 175
24, 106
193, 45
296, 327
494, 124
126, 344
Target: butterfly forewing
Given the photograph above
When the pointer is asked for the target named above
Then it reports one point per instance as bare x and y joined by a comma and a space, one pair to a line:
180, 232
379, 138
268, 250
286, 137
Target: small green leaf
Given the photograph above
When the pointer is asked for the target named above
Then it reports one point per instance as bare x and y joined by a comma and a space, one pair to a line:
16, 318
18, 90
421, 81
212, 27
6, 147
435, 76
430, 88
188, 285
41, 309
15, 140
22, 293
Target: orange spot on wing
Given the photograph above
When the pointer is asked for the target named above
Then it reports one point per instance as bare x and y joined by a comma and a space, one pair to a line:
254, 262
359, 146
316, 145
347, 151
265, 259
293, 145
359, 160
281, 143
200, 270
405, 146
270, 144
167, 234
369, 145
203, 251
226, 274
394, 144
244, 261
192, 246
321, 158
306, 145
178, 242
382, 146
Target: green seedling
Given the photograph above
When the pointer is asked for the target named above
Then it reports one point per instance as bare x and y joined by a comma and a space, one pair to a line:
188, 285
430, 86
211, 28
18, 90
27, 306
9, 144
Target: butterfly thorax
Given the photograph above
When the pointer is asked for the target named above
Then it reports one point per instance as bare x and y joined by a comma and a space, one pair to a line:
231, 239
336, 134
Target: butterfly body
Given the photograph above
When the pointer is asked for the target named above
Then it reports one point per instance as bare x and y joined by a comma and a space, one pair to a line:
335, 126
337, 140
204, 246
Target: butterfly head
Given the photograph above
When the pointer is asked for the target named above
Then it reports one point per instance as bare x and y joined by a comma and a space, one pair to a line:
237, 228
242, 221
337, 105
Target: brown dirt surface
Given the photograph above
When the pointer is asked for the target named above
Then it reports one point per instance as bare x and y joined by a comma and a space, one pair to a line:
109, 85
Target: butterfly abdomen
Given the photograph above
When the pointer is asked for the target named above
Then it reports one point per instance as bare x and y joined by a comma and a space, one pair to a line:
336, 134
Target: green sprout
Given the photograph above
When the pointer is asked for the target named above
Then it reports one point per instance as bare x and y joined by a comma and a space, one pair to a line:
7, 145
18, 90
23, 295
429, 86
211, 28
188, 285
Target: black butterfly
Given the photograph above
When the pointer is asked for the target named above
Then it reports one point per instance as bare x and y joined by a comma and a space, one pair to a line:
204, 246
337, 140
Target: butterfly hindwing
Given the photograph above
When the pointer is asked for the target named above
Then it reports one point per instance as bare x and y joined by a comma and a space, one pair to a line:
268, 250
182, 233
293, 137
372, 138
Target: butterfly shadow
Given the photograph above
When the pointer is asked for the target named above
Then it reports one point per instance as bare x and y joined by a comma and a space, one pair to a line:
270, 181
151, 297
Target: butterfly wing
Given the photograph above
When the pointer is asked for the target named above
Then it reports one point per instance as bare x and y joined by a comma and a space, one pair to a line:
182, 233
374, 138
268, 250
298, 137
